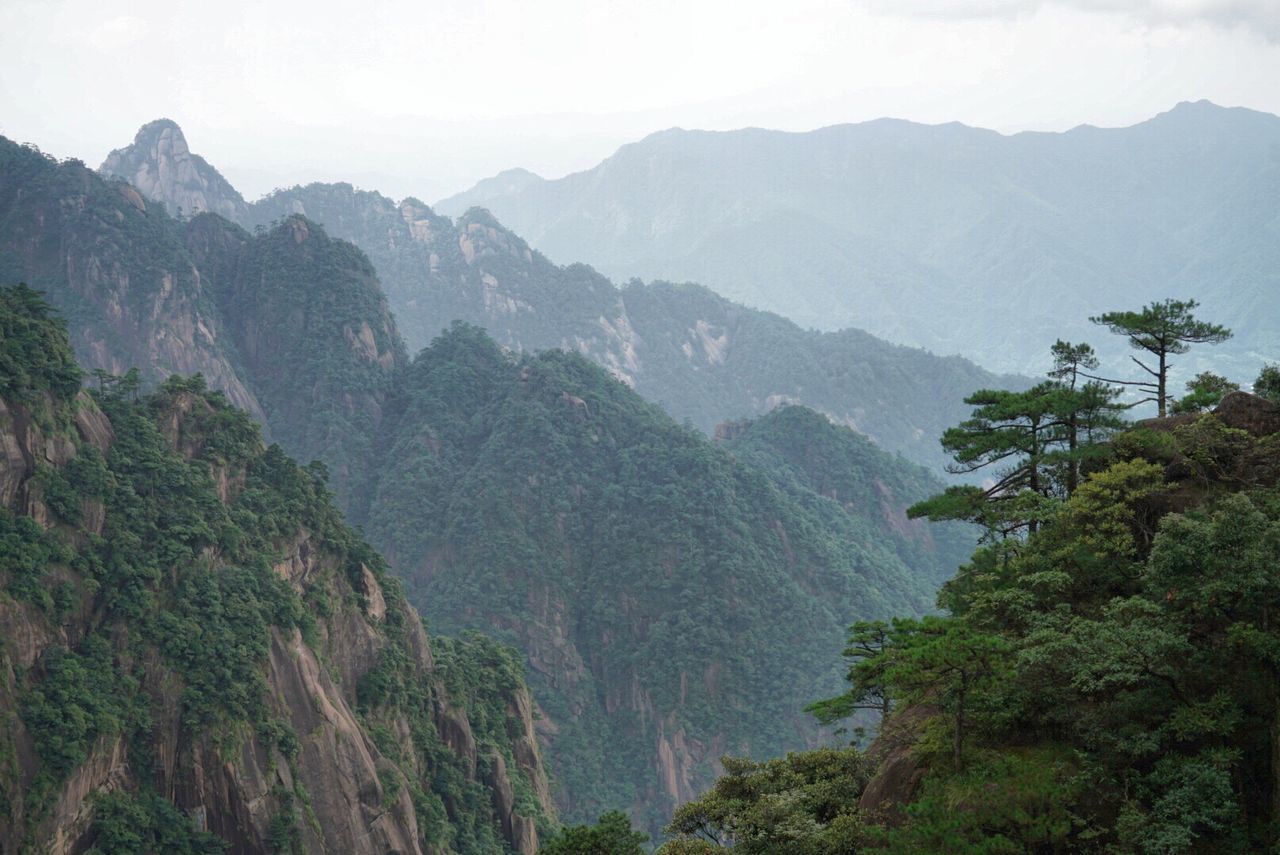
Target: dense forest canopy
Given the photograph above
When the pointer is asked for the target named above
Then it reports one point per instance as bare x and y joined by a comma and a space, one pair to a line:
1104, 676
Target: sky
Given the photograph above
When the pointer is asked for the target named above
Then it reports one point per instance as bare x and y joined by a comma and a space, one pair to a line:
426, 97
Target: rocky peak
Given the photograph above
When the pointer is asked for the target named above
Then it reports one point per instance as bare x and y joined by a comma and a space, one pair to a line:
160, 164
480, 234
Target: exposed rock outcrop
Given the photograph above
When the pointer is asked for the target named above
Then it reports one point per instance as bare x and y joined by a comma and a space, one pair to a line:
115, 269
161, 165
349, 790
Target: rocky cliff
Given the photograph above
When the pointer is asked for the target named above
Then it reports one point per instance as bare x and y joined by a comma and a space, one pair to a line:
197, 652
160, 164
113, 264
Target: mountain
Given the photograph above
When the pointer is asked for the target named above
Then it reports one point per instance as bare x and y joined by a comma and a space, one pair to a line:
703, 357
115, 268
290, 323
673, 596
314, 333
199, 653
160, 164
952, 238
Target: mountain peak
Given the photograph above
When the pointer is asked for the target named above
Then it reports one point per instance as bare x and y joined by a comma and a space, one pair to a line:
161, 165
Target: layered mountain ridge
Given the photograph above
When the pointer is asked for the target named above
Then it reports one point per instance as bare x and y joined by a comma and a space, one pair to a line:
952, 238
560, 487
703, 357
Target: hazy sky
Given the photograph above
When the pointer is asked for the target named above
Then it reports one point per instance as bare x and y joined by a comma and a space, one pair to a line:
425, 97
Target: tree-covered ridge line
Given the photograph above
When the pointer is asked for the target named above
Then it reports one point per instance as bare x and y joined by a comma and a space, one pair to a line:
1103, 678
701, 356
671, 593
180, 603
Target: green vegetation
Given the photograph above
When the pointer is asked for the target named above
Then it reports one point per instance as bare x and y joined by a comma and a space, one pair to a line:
27, 364
126, 823
1268, 383
664, 589
1037, 442
1104, 681
1206, 390
170, 597
611, 835
804, 803
1162, 329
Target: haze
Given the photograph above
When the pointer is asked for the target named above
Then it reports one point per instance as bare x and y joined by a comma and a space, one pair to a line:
426, 98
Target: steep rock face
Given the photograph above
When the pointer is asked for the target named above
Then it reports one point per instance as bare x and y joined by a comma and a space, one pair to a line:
672, 602
115, 268
271, 688
160, 164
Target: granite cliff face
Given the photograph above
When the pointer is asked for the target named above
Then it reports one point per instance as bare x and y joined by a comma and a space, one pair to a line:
160, 164
110, 261
196, 647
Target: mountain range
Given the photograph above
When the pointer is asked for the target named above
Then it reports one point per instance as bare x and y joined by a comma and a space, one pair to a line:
641, 568
701, 356
948, 237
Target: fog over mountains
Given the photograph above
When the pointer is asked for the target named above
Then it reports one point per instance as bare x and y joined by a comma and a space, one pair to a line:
948, 237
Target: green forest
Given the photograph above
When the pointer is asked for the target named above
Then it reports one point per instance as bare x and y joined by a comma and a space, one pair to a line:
674, 596
1102, 675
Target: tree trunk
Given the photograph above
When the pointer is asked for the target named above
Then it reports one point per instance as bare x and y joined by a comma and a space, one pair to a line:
1161, 382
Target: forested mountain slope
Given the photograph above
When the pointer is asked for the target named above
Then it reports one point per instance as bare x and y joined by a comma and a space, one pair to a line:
199, 653
673, 598
1105, 681
703, 357
315, 336
952, 238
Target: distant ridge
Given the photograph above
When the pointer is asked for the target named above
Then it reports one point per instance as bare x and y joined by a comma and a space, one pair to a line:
701, 356
949, 237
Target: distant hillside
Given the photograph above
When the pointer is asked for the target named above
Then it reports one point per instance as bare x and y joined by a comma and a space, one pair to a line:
673, 596
952, 238
702, 357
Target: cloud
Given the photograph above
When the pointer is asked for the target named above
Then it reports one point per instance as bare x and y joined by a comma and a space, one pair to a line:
1260, 17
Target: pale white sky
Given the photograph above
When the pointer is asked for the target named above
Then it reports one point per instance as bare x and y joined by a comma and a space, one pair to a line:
425, 97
